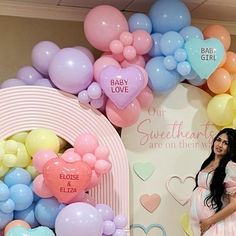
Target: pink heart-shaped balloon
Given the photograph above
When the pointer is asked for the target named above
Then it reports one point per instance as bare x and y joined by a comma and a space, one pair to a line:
122, 85
66, 179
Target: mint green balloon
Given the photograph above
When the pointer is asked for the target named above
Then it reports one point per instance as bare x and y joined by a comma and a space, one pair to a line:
38, 231
204, 55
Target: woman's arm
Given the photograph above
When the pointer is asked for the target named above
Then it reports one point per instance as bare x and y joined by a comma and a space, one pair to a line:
229, 209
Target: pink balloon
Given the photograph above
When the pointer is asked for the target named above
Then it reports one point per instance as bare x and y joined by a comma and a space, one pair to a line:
85, 143
121, 85
126, 38
125, 117
42, 55
138, 60
102, 63
116, 46
103, 24
71, 70
145, 75
102, 153
95, 180
66, 180
102, 166
129, 52
41, 157
117, 57
40, 187
87, 52
145, 98
90, 159
142, 41
70, 157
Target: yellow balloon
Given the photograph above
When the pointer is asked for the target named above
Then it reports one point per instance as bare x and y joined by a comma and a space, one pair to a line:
186, 224
3, 170
41, 139
221, 110
33, 172
232, 89
11, 147
19, 137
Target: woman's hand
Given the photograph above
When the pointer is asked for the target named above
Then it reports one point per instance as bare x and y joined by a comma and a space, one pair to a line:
205, 224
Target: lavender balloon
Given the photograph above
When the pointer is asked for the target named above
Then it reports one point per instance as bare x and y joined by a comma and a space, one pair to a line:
79, 219
12, 82
71, 70
28, 74
44, 83
105, 211
42, 54
87, 52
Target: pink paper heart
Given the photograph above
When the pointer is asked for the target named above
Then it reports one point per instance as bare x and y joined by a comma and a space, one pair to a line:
150, 202
66, 179
123, 85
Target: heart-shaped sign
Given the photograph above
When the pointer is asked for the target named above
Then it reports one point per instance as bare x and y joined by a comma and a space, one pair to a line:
143, 170
122, 85
150, 202
66, 179
176, 183
204, 55
148, 228
38, 231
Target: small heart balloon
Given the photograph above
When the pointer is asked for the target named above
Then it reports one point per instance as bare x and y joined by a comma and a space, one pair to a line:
66, 179
122, 86
204, 55
21, 231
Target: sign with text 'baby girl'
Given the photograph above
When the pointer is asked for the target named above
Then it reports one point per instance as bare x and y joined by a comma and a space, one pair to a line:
165, 148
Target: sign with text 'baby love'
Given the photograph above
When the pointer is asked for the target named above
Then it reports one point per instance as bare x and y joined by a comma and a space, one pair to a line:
173, 136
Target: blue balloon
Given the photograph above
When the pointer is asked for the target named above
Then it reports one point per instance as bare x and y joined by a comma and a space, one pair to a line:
155, 50
4, 191
170, 63
7, 206
5, 219
189, 32
22, 195
180, 55
46, 211
184, 68
169, 15
17, 176
140, 21
197, 81
192, 75
27, 215
170, 42
161, 80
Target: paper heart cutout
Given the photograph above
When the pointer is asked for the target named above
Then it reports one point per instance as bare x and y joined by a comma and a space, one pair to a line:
185, 197
204, 55
150, 202
38, 231
186, 224
66, 179
122, 85
143, 170
148, 228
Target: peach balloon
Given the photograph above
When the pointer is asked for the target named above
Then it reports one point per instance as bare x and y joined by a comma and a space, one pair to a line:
125, 117
230, 63
219, 81
219, 32
223, 61
15, 223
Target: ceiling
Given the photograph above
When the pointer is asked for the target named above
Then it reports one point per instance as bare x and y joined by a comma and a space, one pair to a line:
203, 12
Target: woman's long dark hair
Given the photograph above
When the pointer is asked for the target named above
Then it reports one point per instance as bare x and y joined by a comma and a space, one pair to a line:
217, 189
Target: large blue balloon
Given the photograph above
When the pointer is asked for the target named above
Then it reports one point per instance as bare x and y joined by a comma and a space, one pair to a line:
155, 50
169, 15
160, 79
140, 21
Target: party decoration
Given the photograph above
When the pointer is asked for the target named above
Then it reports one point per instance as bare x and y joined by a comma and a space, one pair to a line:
15, 223
150, 202
204, 55
185, 223
184, 198
147, 229
143, 170
121, 85
66, 180
21, 231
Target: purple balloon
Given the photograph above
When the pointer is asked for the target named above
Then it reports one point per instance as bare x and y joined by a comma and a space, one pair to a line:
86, 52
94, 90
120, 221
12, 82
83, 97
71, 70
79, 219
108, 227
42, 55
28, 74
119, 232
44, 82
105, 211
